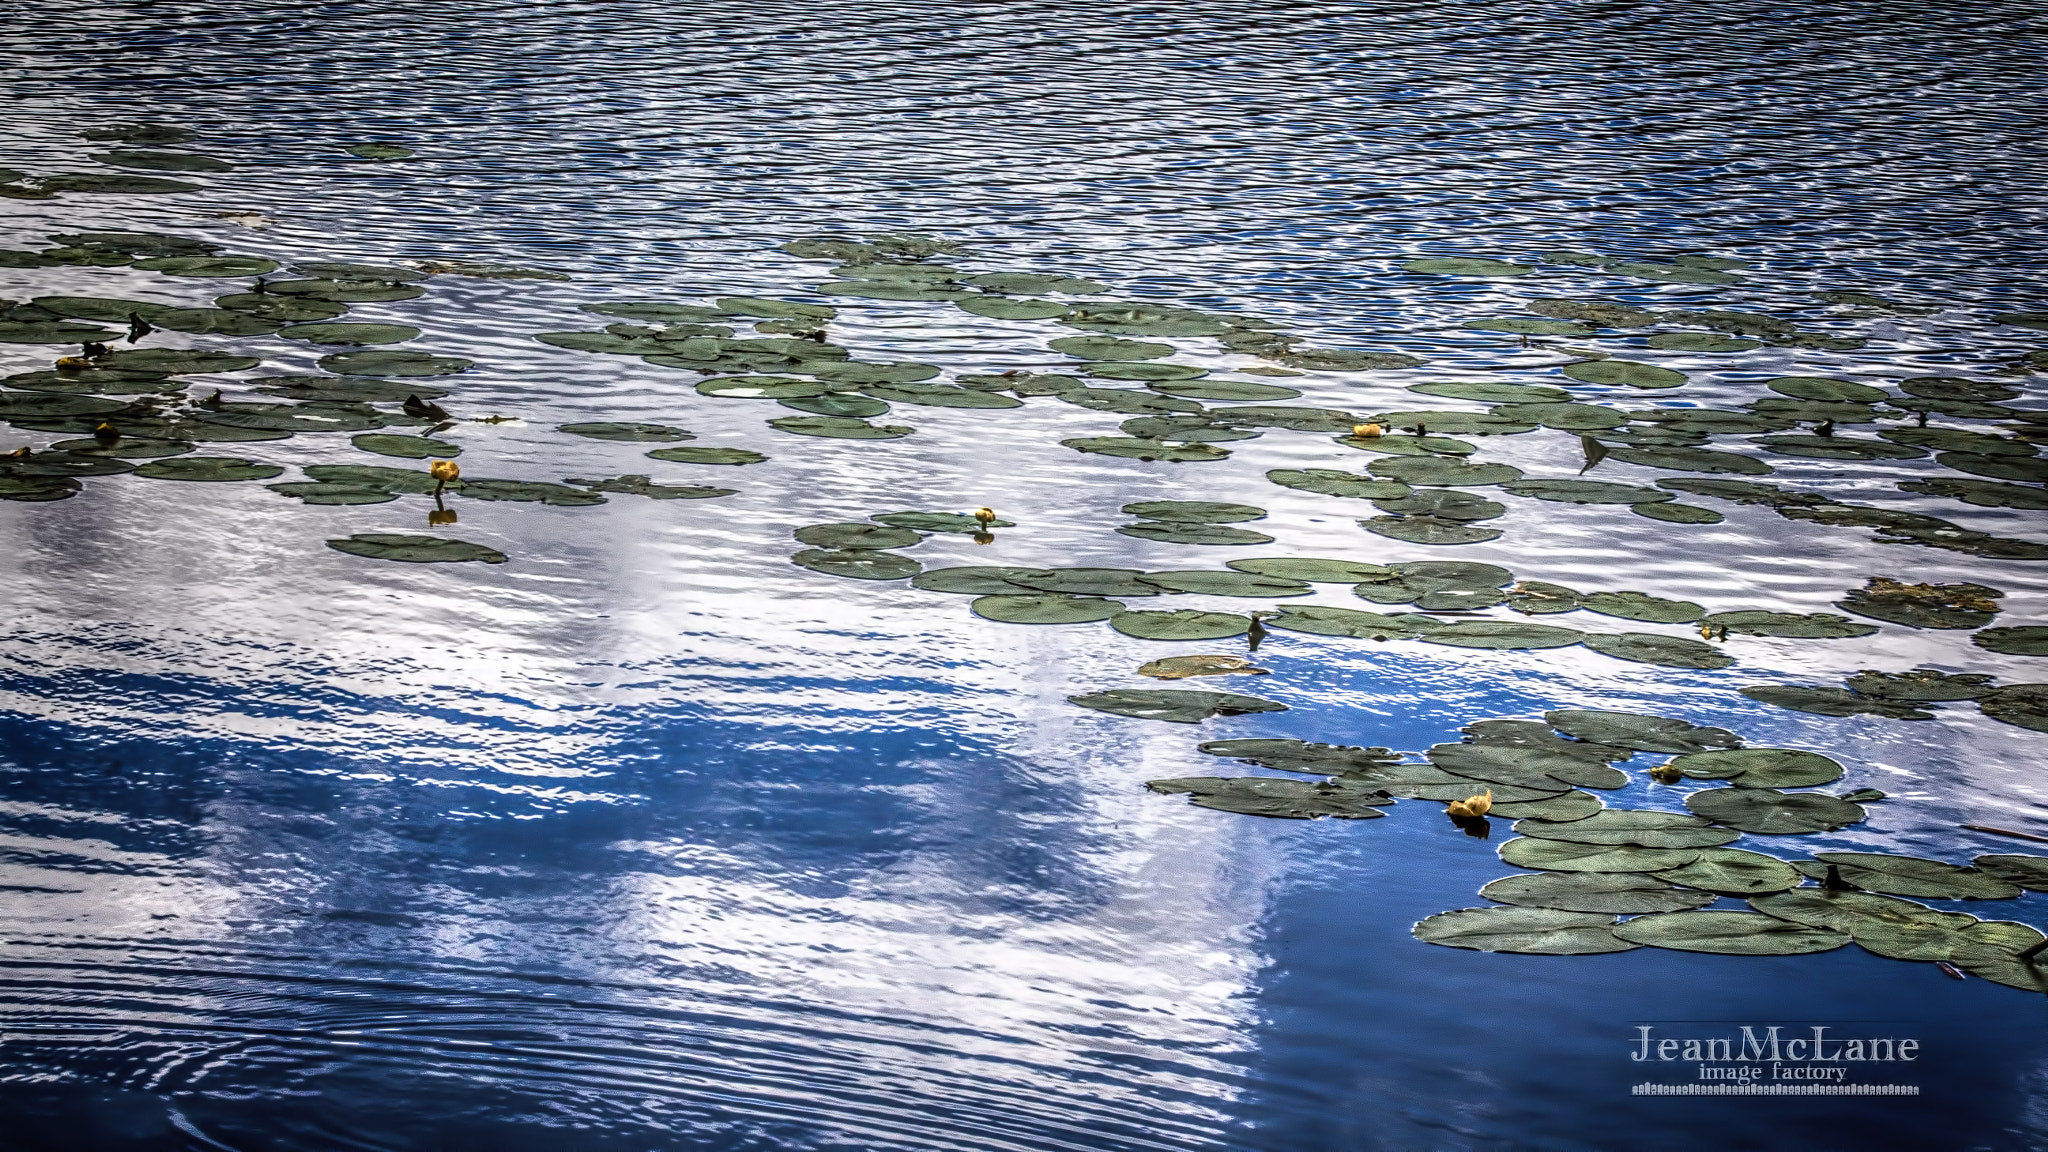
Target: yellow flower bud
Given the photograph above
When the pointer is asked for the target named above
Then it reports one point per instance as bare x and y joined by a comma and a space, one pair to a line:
444, 470
1478, 805
1367, 431
987, 516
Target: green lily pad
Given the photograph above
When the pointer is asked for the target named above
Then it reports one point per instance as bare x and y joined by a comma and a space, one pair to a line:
1126, 400
2028, 640
1699, 342
400, 480
1234, 390
1529, 931
1287, 416
339, 270
1566, 417
1673, 273
1677, 513
284, 309
1045, 608
1683, 459
1179, 705
1087, 581
125, 448
859, 563
1769, 812
1182, 533
48, 464
1487, 393
1993, 951
1180, 624
105, 310
891, 290
1321, 621
315, 492
1624, 372
19, 406
626, 432
1504, 634
1537, 598
409, 447
1602, 313
1899, 929
1340, 359
1587, 492
856, 535
839, 404
1465, 266
1789, 625
350, 333
1830, 702
415, 549
213, 322
958, 522
762, 387
1438, 471
1729, 934
1652, 648
215, 468
940, 396
1814, 411
1008, 308
1624, 826
1953, 606
1641, 732
1958, 440
1952, 388
207, 266
290, 417
1276, 797
1515, 325
839, 428
1428, 530
1443, 504
1035, 282
1563, 856
1238, 583
1912, 876
707, 455
1312, 570
379, 152
112, 185
1305, 757
1408, 445
978, 581
1148, 450
1195, 428
1331, 482
1525, 766
1610, 893
1761, 767
862, 372
1826, 389
1639, 606
176, 361
2029, 872
1146, 372
661, 312
1734, 872
1195, 511
2031, 470
1111, 348
49, 333
1921, 684
136, 243
379, 362
1837, 448
527, 492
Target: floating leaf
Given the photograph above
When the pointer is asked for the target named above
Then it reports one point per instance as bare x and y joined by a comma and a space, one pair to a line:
335, 270
1182, 706
1830, 702
1007, 308
626, 432
1924, 605
1195, 511
1322, 621
1624, 826
1312, 759
37, 488
207, 266
1443, 504
1438, 471
976, 581
1683, 459
1045, 608
1563, 856
1282, 416
1652, 648
957, 522
1604, 313
860, 564
859, 372
1504, 634
1314, 571
1180, 624
1526, 766
1136, 449
380, 362
1641, 732
1837, 448
107, 184
1465, 266
857, 535
1619, 372
937, 396
1586, 492
1489, 393
1639, 606
1276, 797
2029, 872
527, 492
1734, 872
396, 480
2029, 640
1429, 530
349, 333
1921, 684
1235, 583
1610, 893
1761, 767
279, 308
1789, 625
215, 468
379, 152
891, 290
1110, 348
1996, 951
1532, 931
316, 492
1181, 533
1729, 933
1698, 342
638, 485
2031, 470
762, 387
1406, 445
410, 447
1032, 282
1567, 417
1087, 581
839, 428
1331, 482
1958, 440
1769, 812
1912, 876
1537, 598
1673, 273
1183, 667
1515, 325
415, 549
707, 455
47, 333
1827, 389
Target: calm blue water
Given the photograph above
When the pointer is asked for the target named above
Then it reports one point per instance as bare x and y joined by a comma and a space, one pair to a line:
648, 839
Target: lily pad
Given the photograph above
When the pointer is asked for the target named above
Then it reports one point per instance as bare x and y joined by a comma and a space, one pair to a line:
2028, 469
50, 333
1526, 766
1147, 372
415, 549
1653, 648
1827, 389
2027, 640
1407, 445
213, 322
1488, 393
1332, 482
1287, 416
1677, 513
285, 309
1148, 450
527, 492
1992, 951
1087, 581
1010, 308
1899, 929
1699, 342
1921, 684
338, 270
379, 362
1729, 933
837, 404
1610, 893
1683, 459
1641, 732
1429, 530
315, 492
1602, 313
839, 428
1769, 812
1958, 440
396, 480
108, 184
1181, 706
1276, 797
1563, 856
1504, 634
1789, 625
1321, 621
936, 396
1313, 570
1443, 504
1045, 608
409, 447
762, 387
215, 468
1570, 416
707, 455
216, 267
379, 152
1955, 606
958, 522
1831, 702
1311, 759
860, 563
1734, 872
1673, 273
862, 372
1624, 826
2029, 872
1587, 492
1837, 448
1516, 325
1761, 767
1035, 282
1532, 931
1236, 583
1195, 511
1181, 426
1439, 471
1181, 624
1537, 598
1184, 667
176, 361
1624, 372
350, 333
1183, 533
1111, 348
1234, 390
626, 432
1465, 266
125, 447
977, 581
891, 290
1646, 608
1912, 876
856, 535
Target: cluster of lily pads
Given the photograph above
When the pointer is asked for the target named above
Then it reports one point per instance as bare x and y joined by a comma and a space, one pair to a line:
1590, 864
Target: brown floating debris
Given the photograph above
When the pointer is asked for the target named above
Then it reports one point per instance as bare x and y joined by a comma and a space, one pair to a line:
2007, 832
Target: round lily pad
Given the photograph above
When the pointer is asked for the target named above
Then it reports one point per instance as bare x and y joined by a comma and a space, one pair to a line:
1194, 428
1151, 373
1439, 471
1734, 872
114, 185
279, 308
345, 291
939, 396
207, 266
1587, 492
1677, 513
762, 387
1010, 308
1955, 606
1179, 705
1180, 624
379, 362
1429, 530
1826, 388
1639, 606
1538, 598
891, 290
860, 563
1504, 634
1443, 504
1331, 482
958, 522
626, 432
1769, 812
2027, 640
837, 404
1652, 648
217, 468
1525, 766
1111, 348
1238, 583
1563, 856
50, 333
976, 581
213, 322
1822, 701
1167, 532
1406, 445
1087, 581
29, 489
1233, 390
340, 270
1699, 342
1034, 282
1837, 448
839, 428
1958, 440
1912, 876
415, 549
1620, 372
1516, 325
1641, 732
1684, 459
125, 447
1532, 931
858, 372
1275, 797
1488, 393
856, 535
46, 464
1992, 951
1313, 570
1624, 826
1465, 266
1789, 625
1921, 684
316, 492
2029, 872
1322, 621
1672, 273
1729, 933
379, 152
2028, 469
1287, 416
176, 361
350, 333
1195, 511
409, 447
1900, 929
1761, 767
1567, 417
707, 455
1183, 667
1612, 893
527, 492
1045, 608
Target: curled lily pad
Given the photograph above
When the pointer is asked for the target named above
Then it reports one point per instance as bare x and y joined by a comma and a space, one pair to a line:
707, 455
1729, 933
1624, 826
350, 333
1136, 449
1332, 482
1010, 308
1045, 608
1788, 625
1183, 533
216, 468
856, 535
1677, 513
1769, 812
1734, 872
1959, 606
1652, 648
1587, 492
1611, 893
859, 563
1322, 621
1183, 667
1761, 767
1465, 266
958, 522
1504, 634
1277, 797
1182, 706
415, 549
1195, 511
2029, 872
1684, 459
1921, 684
626, 432
1831, 702
1438, 471
1181, 624
1641, 732
1541, 931
208, 266
839, 428
379, 362
977, 581
1624, 372
1313, 570
1912, 876
2028, 640
1563, 856
409, 447
1237, 583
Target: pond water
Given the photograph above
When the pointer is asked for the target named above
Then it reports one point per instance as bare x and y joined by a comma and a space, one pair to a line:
649, 838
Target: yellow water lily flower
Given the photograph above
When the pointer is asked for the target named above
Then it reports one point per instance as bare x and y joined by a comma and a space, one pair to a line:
444, 470
1368, 431
987, 516
1478, 805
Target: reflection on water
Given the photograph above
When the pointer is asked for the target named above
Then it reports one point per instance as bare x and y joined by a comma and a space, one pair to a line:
648, 838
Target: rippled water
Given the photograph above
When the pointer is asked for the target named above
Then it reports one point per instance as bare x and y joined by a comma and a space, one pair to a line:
649, 839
